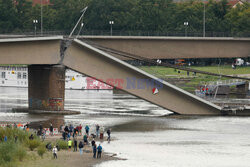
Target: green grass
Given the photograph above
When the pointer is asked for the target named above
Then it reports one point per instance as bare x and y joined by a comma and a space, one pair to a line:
11, 152
165, 73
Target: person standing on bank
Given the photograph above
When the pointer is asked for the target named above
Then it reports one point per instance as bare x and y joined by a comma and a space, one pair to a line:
99, 151
75, 145
81, 147
109, 133
97, 130
51, 129
94, 151
54, 151
69, 144
92, 143
87, 129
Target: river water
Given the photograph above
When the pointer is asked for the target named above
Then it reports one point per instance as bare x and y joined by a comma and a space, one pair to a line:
144, 134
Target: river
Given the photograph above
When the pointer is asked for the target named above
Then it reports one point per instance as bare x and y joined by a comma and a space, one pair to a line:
144, 134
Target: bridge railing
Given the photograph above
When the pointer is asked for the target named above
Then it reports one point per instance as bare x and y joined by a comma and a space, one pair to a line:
128, 33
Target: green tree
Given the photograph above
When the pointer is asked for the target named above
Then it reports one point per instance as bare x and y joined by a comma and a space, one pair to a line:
8, 18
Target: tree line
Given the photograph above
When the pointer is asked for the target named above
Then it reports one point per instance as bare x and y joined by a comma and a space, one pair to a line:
128, 15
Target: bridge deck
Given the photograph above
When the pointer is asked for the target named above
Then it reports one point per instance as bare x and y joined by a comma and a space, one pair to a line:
95, 63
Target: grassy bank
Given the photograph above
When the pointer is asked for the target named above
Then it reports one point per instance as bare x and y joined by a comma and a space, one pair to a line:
165, 71
168, 73
17, 146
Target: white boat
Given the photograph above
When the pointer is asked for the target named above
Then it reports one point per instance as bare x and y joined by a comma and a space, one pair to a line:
18, 77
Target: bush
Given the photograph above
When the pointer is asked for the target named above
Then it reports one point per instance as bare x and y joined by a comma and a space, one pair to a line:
7, 150
20, 152
32, 144
62, 144
41, 150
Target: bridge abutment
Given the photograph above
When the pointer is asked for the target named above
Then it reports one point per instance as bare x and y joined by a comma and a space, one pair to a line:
46, 87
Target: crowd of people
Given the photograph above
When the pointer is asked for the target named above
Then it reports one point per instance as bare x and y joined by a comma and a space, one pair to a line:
72, 135
70, 131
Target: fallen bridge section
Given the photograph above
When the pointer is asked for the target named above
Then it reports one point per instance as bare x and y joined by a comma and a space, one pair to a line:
96, 63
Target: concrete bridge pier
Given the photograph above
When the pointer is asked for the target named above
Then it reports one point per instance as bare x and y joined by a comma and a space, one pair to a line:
46, 87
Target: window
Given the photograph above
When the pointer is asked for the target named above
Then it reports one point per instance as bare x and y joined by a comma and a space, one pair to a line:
3, 75
19, 75
24, 75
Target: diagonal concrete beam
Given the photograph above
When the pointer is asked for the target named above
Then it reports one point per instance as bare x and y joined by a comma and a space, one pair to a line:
95, 63
40, 50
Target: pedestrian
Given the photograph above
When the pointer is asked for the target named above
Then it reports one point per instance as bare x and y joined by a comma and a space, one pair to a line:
92, 143
64, 136
85, 139
97, 130
71, 128
5, 138
109, 132
54, 151
75, 145
31, 137
43, 134
70, 144
27, 126
16, 137
81, 147
99, 151
94, 151
80, 130
15, 126
66, 129
51, 129
41, 127
87, 129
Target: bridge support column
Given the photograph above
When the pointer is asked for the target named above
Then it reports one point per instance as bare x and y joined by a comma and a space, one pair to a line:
46, 87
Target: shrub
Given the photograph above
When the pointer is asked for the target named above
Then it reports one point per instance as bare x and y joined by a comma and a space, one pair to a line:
62, 144
20, 153
41, 150
7, 150
32, 144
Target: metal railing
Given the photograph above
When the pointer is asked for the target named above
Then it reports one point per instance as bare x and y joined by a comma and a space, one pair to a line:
127, 33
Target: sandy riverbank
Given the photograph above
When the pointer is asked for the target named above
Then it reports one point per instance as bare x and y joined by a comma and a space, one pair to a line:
67, 158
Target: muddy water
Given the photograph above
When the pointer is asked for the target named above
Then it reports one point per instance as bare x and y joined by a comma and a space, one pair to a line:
145, 136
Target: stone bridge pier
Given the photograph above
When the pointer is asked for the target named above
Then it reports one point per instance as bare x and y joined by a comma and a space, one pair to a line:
46, 87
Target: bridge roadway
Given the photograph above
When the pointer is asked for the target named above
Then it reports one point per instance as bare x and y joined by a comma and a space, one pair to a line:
175, 47
90, 61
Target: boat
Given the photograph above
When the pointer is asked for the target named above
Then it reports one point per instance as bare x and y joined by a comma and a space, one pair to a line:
18, 77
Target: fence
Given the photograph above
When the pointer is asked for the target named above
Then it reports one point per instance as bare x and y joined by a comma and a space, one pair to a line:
126, 33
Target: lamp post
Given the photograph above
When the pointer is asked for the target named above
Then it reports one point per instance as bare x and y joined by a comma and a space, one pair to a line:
35, 22
111, 23
204, 20
186, 25
41, 17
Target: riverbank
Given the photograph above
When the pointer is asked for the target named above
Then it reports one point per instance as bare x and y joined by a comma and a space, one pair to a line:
68, 158
18, 149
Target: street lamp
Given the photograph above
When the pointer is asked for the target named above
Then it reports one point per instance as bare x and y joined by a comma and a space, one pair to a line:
111, 23
204, 20
41, 17
35, 22
186, 25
